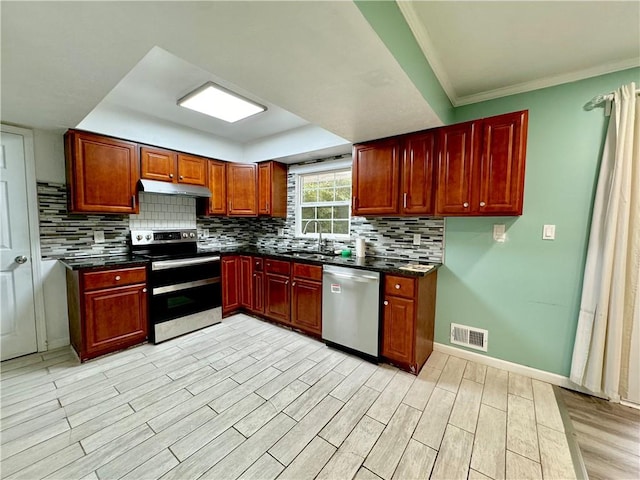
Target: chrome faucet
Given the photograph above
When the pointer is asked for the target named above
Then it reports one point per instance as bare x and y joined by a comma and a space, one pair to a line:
319, 232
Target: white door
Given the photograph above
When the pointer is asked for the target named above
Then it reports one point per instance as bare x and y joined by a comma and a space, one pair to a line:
17, 305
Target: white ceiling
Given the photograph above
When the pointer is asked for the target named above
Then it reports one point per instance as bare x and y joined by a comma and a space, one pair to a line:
481, 50
328, 80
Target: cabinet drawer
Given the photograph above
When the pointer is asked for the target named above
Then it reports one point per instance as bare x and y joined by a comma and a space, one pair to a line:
303, 270
258, 264
399, 286
278, 267
114, 278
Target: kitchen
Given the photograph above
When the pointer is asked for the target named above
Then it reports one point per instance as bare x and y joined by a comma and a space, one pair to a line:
530, 318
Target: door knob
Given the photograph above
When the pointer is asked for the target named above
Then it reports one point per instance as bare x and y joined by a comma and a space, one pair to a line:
21, 259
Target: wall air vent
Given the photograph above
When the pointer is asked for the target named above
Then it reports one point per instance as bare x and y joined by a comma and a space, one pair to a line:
469, 337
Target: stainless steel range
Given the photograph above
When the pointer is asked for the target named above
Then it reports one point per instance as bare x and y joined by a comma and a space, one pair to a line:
184, 283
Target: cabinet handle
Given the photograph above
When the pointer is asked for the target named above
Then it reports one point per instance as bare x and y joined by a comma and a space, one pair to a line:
482, 204
267, 206
465, 204
144, 290
386, 303
133, 201
404, 200
293, 284
171, 175
286, 282
229, 205
117, 278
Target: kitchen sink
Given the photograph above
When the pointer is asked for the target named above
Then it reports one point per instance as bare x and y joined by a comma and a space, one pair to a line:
310, 255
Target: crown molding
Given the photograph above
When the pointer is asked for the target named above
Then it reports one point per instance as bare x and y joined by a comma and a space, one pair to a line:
547, 82
426, 45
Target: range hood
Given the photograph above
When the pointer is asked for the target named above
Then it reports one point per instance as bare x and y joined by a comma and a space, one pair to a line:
166, 188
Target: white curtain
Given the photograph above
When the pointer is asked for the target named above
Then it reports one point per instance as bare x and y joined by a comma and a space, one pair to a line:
605, 354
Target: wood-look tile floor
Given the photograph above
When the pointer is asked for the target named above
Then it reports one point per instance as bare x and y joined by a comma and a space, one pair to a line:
247, 399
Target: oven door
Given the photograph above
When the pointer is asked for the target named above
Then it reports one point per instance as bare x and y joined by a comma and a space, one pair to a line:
184, 286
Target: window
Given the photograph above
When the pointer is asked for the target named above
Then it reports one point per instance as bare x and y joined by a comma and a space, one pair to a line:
325, 196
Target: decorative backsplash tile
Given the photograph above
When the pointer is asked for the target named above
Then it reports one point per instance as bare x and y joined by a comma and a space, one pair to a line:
67, 235
163, 212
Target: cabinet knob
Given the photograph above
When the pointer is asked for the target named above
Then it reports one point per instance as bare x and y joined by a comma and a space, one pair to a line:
286, 282
144, 290
482, 204
117, 277
386, 303
293, 284
397, 286
181, 177
254, 274
465, 204
171, 175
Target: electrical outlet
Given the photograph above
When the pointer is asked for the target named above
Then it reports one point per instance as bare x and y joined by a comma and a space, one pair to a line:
499, 234
416, 239
205, 233
98, 236
281, 232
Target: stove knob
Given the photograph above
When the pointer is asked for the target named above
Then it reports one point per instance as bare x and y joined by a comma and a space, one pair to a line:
139, 237
148, 237
192, 235
185, 234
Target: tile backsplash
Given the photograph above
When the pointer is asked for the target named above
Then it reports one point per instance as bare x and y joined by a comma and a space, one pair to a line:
63, 234
164, 212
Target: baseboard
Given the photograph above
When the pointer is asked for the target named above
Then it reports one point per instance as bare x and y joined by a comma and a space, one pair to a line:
57, 343
543, 376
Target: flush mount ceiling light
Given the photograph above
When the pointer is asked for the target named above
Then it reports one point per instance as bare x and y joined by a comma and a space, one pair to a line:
218, 102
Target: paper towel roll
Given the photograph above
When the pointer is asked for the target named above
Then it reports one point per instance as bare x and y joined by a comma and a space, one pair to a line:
361, 248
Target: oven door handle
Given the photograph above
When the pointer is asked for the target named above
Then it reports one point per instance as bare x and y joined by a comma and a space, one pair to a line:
184, 286
166, 264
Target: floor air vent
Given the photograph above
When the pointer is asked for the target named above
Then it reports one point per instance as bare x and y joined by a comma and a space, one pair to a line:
469, 336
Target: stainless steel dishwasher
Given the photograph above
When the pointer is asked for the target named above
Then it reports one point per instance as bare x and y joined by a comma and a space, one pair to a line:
350, 308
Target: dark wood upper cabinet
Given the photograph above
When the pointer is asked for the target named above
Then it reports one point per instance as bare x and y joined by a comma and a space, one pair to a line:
158, 164
102, 173
502, 164
417, 192
375, 178
217, 175
169, 166
242, 189
192, 169
481, 166
272, 189
455, 169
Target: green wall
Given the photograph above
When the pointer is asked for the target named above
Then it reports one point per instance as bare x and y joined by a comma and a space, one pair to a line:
526, 291
389, 23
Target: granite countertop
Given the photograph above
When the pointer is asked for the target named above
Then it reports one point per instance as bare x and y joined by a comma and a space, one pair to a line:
101, 261
389, 265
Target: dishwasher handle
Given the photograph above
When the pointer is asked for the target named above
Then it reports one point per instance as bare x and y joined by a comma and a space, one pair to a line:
355, 278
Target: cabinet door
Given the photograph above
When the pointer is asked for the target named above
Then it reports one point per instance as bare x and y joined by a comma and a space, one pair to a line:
376, 167
114, 318
246, 282
455, 169
218, 187
192, 169
398, 334
502, 164
277, 298
258, 292
242, 193
306, 306
230, 284
264, 188
417, 174
102, 173
158, 164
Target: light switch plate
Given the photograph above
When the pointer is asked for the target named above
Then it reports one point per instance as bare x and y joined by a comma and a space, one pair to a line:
499, 234
98, 236
549, 232
416, 239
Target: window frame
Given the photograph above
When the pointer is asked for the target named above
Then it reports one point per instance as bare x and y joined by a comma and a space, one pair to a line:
320, 167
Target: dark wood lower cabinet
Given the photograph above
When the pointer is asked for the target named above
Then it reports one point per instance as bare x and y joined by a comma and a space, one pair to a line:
230, 284
408, 320
277, 291
107, 310
246, 282
306, 306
